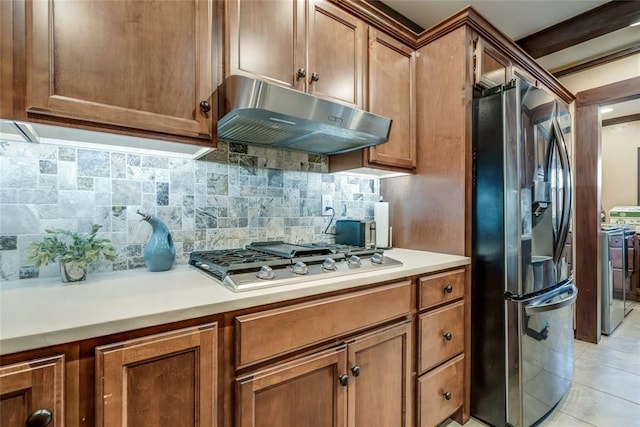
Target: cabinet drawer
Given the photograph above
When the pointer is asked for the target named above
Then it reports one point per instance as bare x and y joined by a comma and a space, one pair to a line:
435, 387
263, 335
440, 288
434, 329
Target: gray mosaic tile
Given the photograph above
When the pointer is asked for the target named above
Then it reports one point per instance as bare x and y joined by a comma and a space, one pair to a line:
37, 197
18, 173
67, 154
118, 165
85, 183
8, 243
217, 184
133, 160
126, 192
49, 167
18, 219
154, 162
8, 195
171, 216
162, 193
48, 211
182, 182
76, 204
206, 218
93, 163
67, 175
28, 272
188, 206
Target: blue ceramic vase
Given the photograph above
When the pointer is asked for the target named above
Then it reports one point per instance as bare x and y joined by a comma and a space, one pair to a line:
160, 252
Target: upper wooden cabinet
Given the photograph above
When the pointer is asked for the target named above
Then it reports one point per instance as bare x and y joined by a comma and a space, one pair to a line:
32, 391
490, 67
311, 46
392, 80
145, 65
391, 93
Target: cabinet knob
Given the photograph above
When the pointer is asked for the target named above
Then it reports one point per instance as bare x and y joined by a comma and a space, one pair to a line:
448, 289
314, 77
355, 371
447, 395
448, 336
39, 418
205, 107
343, 380
302, 73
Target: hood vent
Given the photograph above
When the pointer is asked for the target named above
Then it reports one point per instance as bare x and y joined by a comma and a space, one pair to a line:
259, 113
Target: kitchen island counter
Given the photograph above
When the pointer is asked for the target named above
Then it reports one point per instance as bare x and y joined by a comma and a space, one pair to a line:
38, 313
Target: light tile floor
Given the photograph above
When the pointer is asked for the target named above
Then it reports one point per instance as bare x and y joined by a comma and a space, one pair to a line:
606, 387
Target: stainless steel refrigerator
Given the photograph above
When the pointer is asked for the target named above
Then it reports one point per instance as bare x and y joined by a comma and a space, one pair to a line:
522, 290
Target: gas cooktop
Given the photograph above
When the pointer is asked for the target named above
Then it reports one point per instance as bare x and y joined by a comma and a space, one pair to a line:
275, 263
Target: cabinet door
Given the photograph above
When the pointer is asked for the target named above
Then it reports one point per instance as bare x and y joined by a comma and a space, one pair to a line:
139, 64
491, 68
165, 379
392, 80
337, 53
26, 388
267, 40
304, 392
379, 387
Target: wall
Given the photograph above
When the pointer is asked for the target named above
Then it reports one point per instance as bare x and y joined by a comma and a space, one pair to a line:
602, 75
235, 195
620, 144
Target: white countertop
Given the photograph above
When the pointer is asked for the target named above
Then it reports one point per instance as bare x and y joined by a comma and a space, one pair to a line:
37, 313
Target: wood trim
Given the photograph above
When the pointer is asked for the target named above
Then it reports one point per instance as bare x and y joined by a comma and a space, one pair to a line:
587, 222
620, 120
588, 200
378, 18
593, 23
614, 56
621, 91
638, 169
398, 17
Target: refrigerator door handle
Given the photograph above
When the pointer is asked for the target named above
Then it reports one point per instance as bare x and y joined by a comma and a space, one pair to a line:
571, 295
566, 203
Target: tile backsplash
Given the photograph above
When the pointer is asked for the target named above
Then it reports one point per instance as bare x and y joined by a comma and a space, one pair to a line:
235, 195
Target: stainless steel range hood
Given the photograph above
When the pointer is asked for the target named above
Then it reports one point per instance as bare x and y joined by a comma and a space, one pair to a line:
256, 112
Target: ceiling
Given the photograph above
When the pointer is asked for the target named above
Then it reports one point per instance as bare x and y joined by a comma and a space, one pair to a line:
564, 36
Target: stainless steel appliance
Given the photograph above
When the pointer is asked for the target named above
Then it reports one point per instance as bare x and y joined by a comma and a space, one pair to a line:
356, 232
275, 263
612, 308
522, 291
256, 112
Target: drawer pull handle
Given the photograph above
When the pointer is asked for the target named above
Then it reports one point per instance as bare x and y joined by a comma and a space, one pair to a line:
448, 336
343, 380
314, 77
39, 418
448, 289
447, 395
301, 73
355, 371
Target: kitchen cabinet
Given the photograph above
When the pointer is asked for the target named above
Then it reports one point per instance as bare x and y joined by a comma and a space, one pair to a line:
126, 65
164, 379
312, 46
490, 68
32, 392
364, 382
391, 93
443, 336
363, 379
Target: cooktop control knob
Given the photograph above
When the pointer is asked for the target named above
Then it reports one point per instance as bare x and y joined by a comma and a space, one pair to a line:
202, 265
266, 273
329, 264
354, 261
300, 268
377, 258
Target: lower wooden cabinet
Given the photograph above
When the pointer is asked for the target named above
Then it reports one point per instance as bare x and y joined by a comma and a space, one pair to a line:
441, 392
32, 390
168, 379
364, 382
304, 392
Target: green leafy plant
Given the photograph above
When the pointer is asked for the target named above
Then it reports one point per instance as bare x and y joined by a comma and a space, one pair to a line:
67, 246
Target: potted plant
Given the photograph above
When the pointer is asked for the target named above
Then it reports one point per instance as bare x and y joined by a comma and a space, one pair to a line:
72, 250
